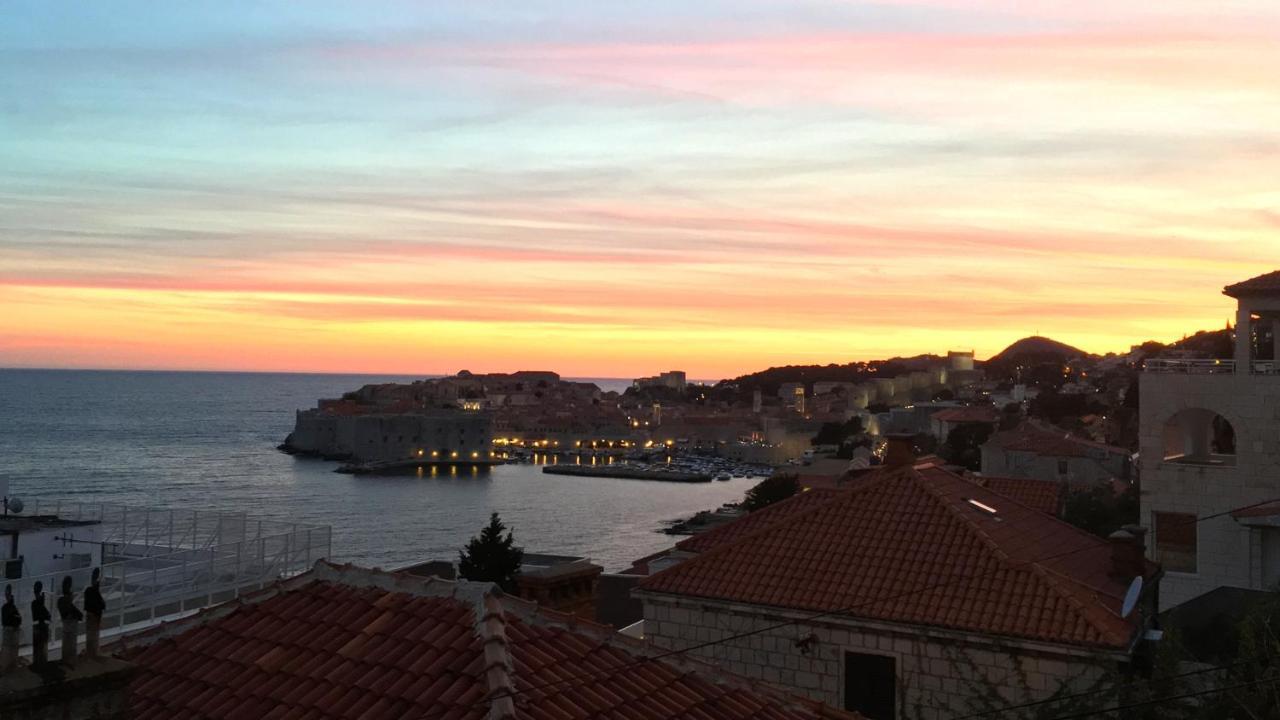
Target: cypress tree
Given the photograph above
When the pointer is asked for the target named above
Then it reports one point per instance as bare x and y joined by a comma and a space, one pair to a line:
490, 557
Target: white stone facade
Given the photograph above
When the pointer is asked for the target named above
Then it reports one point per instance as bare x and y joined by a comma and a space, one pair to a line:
1095, 467
940, 674
1228, 553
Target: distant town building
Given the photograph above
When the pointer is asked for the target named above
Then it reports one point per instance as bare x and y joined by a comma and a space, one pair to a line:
438, 435
960, 360
1044, 452
1210, 442
674, 379
944, 421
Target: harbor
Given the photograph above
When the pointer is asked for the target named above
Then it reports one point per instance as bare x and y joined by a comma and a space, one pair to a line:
627, 472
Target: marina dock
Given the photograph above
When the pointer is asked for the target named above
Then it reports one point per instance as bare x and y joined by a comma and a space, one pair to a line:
627, 473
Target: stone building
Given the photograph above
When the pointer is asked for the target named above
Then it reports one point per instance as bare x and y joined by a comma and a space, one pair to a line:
914, 593
1044, 452
439, 435
1210, 441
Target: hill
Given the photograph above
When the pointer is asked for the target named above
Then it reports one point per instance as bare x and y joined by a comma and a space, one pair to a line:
1034, 350
769, 380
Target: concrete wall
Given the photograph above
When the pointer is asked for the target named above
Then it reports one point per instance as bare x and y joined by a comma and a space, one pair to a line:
44, 553
1100, 467
940, 675
97, 690
1228, 553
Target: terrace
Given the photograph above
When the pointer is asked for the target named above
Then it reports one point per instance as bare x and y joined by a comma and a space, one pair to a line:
158, 563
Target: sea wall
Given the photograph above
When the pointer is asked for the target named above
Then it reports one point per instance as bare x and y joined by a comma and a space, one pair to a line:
435, 435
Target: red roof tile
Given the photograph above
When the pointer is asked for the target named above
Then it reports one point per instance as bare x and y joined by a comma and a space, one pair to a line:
751, 522
1268, 283
1049, 441
907, 545
970, 414
1042, 495
341, 642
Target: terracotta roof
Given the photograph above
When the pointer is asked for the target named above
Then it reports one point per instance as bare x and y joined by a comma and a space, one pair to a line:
1042, 495
762, 518
1047, 440
1268, 283
970, 414
907, 545
343, 642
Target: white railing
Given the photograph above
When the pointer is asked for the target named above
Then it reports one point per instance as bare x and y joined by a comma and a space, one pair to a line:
1191, 367
175, 562
1209, 367
1266, 367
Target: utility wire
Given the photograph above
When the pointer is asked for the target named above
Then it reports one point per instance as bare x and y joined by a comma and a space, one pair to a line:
1075, 696
828, 613
1166, 698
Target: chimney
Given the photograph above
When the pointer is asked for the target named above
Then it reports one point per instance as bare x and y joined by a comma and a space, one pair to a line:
901, 450
1127, 552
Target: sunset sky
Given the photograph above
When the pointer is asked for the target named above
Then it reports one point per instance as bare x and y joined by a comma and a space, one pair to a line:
620, 188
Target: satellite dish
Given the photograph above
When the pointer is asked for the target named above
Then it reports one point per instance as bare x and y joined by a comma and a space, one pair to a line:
1131, 597
15, 505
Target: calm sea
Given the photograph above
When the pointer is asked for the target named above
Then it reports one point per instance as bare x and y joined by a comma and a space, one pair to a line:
207, 441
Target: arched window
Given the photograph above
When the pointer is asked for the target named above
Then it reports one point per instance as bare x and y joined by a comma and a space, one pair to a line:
1196, 436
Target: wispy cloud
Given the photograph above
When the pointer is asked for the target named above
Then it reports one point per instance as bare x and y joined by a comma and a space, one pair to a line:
718, 185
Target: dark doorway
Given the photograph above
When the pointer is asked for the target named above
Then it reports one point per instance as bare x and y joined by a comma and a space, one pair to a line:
870, 685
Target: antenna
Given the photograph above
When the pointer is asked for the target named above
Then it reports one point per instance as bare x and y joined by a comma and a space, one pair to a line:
1131, 597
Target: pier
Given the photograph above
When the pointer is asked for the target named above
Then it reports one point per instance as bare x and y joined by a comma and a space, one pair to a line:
626, 473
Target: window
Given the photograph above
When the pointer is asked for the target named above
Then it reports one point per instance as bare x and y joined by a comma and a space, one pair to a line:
1175, 541
1062, 467
870, 685
1195, 436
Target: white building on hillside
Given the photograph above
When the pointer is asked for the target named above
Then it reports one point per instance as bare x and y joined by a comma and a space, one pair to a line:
1210, 437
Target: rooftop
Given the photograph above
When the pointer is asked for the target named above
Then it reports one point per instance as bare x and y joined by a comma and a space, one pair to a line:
1047, 440
971, 414
922, 546
1042, 495
345, 642
1262, 285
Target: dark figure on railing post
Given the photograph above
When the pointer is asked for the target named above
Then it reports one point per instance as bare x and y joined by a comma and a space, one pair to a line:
10, 628
40, 618
94, 606
71, 617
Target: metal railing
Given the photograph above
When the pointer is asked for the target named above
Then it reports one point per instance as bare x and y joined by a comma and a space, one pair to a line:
1209, 367
172, 562
1191, 367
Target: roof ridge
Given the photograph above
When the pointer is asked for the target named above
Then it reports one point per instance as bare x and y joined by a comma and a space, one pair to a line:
491, 628
841, 494
768, 510
1051, 577
1054, 579
967, 518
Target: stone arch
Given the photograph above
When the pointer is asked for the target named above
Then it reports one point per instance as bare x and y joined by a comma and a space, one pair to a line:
1199, 436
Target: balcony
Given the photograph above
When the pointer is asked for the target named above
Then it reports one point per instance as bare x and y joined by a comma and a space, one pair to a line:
1208, 367
159, 563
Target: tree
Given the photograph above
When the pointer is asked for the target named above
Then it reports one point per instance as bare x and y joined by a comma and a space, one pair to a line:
1100, 511
964, 445
838, 433
771, 490
490, 557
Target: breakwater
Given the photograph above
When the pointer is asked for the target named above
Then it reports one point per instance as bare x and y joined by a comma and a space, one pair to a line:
627, 473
